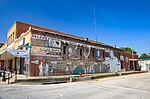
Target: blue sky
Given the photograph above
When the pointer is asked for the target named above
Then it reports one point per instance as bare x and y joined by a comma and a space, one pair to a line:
119, 22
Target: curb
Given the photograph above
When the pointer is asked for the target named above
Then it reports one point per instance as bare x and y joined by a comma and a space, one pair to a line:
44, 81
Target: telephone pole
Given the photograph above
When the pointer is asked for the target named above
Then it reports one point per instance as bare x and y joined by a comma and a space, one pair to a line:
133, 58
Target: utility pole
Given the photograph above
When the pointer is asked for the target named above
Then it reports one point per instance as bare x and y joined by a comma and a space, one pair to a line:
133, 58
95, 32
28, 59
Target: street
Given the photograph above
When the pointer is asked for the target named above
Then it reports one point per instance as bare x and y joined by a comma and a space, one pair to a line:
135, 86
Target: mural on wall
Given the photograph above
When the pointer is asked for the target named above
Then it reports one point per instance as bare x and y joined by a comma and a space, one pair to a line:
41, 69
53, 43
73, 52
53, 67
46, 69
99, 54
67, 70
44, 51
51, 48
78, 69
112, 62
41, 40
86, 51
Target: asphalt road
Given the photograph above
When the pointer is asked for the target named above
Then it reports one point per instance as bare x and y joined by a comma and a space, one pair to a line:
136, 86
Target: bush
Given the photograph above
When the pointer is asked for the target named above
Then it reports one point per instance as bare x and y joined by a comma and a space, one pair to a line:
116, 74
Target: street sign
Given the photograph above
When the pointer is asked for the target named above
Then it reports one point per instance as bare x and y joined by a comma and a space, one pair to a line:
27, 61
27, 46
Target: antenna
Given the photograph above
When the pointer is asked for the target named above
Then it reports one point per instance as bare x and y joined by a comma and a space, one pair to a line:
94, 16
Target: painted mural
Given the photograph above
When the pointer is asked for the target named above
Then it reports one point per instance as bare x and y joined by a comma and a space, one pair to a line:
86, 51
73, 52
112, 62
51, 49
99, 54
40, 40
45, 51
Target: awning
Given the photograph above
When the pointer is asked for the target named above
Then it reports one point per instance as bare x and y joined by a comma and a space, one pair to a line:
19, 53
10, 53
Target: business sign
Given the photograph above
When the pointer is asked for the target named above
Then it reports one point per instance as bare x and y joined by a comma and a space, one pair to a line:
21, 42
19, 53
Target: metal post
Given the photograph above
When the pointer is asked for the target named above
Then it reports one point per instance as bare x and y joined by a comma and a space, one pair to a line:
28, 59
100, 68
8, 77
4, 78
27, 64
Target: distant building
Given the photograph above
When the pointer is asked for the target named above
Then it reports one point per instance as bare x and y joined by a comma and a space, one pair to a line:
144, 64
60, 52
1, 61
1, 44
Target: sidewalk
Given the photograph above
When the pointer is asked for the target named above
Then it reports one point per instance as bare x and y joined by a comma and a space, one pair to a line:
66, 78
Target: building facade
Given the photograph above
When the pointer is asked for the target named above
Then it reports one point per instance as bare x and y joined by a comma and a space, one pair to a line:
144, 64
50, 52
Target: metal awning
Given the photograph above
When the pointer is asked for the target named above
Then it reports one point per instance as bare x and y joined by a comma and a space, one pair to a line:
10, 53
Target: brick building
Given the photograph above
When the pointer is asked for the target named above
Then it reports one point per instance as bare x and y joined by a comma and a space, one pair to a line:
59, 53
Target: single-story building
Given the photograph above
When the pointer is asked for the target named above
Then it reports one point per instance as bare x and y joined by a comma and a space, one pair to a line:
144, 64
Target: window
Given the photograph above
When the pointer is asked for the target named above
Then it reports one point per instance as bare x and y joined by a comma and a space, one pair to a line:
80, 51
93, 53
64, 49
122, 67
13, 36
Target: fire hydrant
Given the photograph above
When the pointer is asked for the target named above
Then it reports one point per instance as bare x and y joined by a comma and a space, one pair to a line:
80, 74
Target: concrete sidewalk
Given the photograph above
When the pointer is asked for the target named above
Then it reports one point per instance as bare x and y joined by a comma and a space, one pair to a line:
66, 78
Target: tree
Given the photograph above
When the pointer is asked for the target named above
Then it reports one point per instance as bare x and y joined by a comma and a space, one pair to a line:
128, 50
144, 55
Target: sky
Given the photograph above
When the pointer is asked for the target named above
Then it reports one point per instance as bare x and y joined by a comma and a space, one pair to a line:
124, 23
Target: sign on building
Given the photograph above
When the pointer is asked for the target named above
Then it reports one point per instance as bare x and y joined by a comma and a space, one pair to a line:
41, 40
21, 42
19, 53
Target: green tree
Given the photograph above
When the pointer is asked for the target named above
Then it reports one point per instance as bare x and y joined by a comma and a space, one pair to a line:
144, 55
128, 50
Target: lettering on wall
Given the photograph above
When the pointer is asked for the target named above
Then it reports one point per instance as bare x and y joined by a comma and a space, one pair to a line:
40, 40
